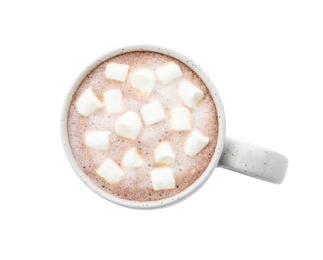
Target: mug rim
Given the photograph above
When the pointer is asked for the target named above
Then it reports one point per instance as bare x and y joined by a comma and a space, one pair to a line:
204, 176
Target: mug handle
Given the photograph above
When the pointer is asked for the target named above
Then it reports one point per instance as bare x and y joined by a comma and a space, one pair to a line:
254, 161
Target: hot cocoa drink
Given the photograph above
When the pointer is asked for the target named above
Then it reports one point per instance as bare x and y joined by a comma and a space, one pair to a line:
143, 126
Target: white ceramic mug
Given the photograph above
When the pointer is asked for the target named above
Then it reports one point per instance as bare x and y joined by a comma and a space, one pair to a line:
235, 155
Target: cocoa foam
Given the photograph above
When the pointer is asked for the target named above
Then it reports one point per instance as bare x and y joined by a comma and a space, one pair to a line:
137, 185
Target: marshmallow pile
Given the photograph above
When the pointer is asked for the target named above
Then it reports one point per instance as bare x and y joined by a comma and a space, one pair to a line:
130, 123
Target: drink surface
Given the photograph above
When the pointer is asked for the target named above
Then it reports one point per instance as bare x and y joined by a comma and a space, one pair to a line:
136, 184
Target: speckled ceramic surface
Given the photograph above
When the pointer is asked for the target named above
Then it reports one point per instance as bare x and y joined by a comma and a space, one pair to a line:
238, 156
254, 161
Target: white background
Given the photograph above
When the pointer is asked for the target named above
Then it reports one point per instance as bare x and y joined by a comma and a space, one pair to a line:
266, 59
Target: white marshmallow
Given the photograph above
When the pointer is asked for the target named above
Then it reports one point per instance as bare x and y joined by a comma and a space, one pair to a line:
195, 142
110, 171
144, 80
132, 159
129, 125
164, 154
181, 119
169, 72
88, 103
190, 94
116, 71
152, 113
113, 101
162, 178
98, 139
